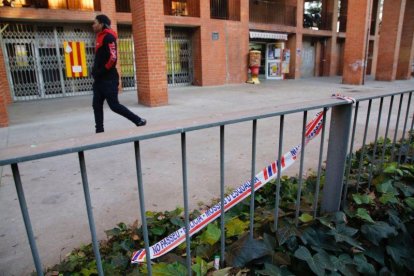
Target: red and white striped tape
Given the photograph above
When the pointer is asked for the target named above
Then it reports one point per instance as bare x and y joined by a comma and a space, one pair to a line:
270, 172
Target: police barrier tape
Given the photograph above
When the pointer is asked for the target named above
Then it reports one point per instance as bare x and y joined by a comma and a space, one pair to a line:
268, 173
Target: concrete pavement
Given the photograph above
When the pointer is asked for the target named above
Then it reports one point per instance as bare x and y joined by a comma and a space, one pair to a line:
53, 186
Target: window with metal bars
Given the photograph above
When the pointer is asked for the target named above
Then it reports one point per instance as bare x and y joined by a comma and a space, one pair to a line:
225, 9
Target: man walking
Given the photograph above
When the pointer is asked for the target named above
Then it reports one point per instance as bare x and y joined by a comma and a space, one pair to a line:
105, 86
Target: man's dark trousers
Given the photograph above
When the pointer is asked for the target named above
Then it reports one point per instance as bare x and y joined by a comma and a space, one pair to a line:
108, 90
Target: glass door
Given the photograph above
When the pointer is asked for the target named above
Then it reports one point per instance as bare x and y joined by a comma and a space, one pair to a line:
274, 54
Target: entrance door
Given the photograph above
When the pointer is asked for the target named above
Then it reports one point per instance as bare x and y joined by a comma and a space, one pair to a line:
179, 57
307, 68
22, 72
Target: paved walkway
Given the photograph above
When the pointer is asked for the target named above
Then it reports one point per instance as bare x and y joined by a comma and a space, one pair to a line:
53, 186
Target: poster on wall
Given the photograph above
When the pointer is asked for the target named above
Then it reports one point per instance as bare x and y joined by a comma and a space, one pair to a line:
285, 67
274, 69
75, 59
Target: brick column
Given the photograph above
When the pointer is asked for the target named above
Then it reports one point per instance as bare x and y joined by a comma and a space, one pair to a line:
5, 97
376, 39
149, 41
294, 42
390, 38
356, 40
331, 49
406, 45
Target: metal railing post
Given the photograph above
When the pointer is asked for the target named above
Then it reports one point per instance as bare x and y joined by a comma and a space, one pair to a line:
185, 192
142, 205
222, 222
302, 158
336, 157
26, 219
254, 134
88, 203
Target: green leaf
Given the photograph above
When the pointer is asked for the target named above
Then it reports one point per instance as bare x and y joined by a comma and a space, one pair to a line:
200, 267
273, 270
316, 266
327, 222
344, 233
364, 215
376, 253
211, 235
394, 220
283, 234
341, 263
236, 227
157, 230
363, 199
363, 265
387, 187
404, 188
400, 250
163, 269
177, 221
388, 198
113, 232
392, 168
305, 218
410, 202
378, 231
120, 260
318, 238
245, 250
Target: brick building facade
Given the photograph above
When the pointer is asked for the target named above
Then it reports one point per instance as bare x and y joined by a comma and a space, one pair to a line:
207, 42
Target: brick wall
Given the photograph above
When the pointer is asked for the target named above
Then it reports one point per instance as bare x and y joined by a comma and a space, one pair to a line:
355, 43
5, 98
390, 38
150, 59
223, 60
407, 44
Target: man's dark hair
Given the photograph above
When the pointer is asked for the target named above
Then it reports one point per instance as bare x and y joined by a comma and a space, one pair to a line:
103, 19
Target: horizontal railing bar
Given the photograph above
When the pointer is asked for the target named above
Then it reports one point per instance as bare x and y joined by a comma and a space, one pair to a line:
365, 96
26, 153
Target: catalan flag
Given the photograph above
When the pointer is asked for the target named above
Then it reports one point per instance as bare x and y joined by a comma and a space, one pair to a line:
75, 59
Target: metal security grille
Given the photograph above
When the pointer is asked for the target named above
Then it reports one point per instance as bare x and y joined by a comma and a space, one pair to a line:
179, 57
34, 56
126, 57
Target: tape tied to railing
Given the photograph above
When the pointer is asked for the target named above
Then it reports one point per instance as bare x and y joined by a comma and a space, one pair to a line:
270, 172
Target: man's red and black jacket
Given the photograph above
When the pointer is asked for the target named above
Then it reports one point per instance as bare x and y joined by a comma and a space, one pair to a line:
104, 66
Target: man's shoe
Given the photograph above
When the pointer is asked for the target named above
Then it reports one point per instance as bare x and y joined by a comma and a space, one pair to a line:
142, 122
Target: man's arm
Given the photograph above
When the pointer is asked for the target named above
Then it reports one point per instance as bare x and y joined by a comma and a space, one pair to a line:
111, 44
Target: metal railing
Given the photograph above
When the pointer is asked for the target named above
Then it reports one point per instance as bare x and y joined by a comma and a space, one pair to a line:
122, 6
268, 12
225, 9
342, 141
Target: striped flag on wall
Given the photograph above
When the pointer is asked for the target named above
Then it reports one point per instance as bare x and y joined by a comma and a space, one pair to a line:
75, 59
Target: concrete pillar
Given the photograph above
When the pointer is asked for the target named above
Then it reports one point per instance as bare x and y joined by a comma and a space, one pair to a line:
150, 59
319, 56
376, 37
390, 38
356, 41
294, 44
406, 45
331, 48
